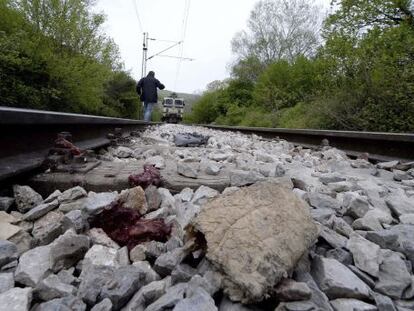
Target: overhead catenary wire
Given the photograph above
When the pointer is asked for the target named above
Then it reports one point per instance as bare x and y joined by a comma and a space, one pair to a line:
183, 34
137, 15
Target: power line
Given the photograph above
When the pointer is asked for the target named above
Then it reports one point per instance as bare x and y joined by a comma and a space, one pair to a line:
183, 34
137, 14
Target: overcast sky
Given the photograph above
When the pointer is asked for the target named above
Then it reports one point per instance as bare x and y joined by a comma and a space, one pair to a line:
211, 26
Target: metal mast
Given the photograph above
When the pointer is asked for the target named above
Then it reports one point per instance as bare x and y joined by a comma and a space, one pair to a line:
144, 55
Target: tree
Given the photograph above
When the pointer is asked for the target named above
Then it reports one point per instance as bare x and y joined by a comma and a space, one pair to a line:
357, 17
279, 29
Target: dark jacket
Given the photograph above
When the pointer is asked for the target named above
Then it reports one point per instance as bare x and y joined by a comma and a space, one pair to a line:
147, 88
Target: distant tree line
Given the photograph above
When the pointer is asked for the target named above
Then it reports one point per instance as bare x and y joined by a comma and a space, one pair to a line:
353, 71
54, 56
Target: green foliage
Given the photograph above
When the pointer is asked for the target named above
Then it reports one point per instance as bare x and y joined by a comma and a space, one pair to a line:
156, 114
53, 56
361, 79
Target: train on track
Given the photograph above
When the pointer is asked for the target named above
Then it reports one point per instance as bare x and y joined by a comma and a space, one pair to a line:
172, 109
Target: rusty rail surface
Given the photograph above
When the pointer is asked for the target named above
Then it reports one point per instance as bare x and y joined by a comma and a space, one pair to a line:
27, 135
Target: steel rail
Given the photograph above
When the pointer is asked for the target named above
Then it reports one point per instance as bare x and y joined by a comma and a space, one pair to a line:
27, 135
378, 145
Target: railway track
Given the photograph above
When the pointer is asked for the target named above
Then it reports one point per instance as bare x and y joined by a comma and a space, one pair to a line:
27, 135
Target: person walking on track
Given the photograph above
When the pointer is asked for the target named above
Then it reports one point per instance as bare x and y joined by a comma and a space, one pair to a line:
147, 90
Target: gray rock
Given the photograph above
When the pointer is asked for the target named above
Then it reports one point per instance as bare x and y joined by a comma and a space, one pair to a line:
93, 279
6, 203
173, 243
186, 194
343, 256
166, 263
400, 205
72, 194
342, 227
199, 300
72, 206
122, 152
34, 266
187, 170
54, 196
153, 198
10, 267
138, 253
332, 238
404, 305
8, 252
212, 169
203, 194
290, 290
341, 186
323, 201
322, 215
242, 178
123, 256
147, 295
363, 276
387, 165
230, 190
99, 255
227, 305
401, 175
336, 280
124, 282
186, 212
296, 306
98, 236
397, 238
356, 206
366, 254
146, 269
26, 198
384, 238
6, 282
154, 249
48, 228
97, 202
367, 223
75, 220
182, 273
346, 304
394, 277
210, 282
66, 276
384, 303
331, 178
52, 287
104, 305
172, 296
16, 299
407, 219
69, 303
40, 210
67, 250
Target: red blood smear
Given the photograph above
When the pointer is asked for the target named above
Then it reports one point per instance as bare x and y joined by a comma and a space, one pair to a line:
65, 144
125, 226
150, 176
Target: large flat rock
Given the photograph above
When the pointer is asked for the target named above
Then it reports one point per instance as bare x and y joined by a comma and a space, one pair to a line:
255, 236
